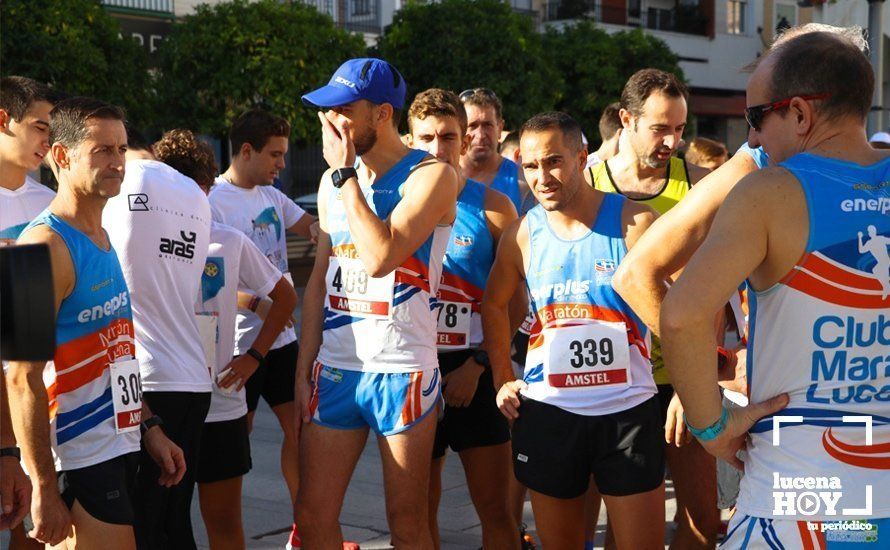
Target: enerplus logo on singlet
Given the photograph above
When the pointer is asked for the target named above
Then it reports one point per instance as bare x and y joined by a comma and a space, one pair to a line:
111, 307
569, 287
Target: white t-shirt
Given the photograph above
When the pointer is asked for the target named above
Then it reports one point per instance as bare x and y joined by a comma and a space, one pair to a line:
233, 262
159, 225
263, 214
19, 207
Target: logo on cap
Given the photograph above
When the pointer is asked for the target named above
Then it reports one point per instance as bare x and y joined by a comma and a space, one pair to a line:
345, 82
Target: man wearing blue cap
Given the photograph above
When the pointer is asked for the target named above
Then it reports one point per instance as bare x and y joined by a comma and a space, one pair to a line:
368, 342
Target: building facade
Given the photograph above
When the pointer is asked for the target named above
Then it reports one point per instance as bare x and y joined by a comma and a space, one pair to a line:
714, 39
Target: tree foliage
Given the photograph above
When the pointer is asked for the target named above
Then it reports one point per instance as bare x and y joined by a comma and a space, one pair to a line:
596, 64
227, 58
76, 46
460, 44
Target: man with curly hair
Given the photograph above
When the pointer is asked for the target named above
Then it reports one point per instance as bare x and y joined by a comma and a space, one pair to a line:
233, 262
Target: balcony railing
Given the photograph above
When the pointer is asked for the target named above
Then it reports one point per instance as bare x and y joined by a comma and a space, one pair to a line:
682, 18
353, 15
159, 6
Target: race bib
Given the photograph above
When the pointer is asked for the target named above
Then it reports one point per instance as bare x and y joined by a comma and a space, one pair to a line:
453, 331
351, 290
587, 356
529, 322
208, 326
126, 394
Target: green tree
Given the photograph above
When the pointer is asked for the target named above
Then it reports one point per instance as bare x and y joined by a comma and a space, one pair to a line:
227, 58
76, 46
595, 65
460, 44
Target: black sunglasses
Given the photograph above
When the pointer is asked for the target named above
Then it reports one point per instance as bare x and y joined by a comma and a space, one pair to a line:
755, 115
468, 93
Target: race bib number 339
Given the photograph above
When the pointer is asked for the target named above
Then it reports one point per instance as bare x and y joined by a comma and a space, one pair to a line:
351, 290
126, 394
586, 356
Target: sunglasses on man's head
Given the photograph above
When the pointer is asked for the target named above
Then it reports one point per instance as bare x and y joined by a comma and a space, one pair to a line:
755, 115
467, 94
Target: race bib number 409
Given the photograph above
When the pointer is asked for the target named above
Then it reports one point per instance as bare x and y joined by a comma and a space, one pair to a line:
126, 394
586, 356
351, 290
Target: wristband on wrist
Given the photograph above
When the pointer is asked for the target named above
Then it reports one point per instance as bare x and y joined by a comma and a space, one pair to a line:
150, 423
253, 304
712, 431
13, 452
256, 355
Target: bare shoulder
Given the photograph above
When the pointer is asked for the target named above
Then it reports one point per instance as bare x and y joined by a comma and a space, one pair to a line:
771, 181
60, 257
431, 171
771, 193
696, 172
636, 218
42, 234
495, 201
637, 212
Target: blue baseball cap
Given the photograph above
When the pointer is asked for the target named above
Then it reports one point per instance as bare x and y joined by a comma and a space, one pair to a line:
363, 78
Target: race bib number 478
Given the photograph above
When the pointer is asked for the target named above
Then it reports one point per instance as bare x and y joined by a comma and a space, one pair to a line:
351, 290
453, 330
586, 356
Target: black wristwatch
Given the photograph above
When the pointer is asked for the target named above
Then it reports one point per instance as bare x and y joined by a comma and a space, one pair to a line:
150, 423
339, 176
481, 357
256, 355
14, 452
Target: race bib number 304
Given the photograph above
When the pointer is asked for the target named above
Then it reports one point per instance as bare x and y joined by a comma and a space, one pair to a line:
126, 394
586, 356
351, 290
453, 330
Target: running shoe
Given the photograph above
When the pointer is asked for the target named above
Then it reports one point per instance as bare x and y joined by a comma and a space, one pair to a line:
295, 543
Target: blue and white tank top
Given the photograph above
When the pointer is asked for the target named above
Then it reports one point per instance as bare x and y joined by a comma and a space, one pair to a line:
468, 261
385, 324
588, 352
94, 328
822, 334
507, 182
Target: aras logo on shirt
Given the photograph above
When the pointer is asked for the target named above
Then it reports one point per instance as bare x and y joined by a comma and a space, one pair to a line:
184, 248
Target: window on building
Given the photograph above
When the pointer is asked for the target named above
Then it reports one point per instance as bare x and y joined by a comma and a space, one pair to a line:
785, 17
634, 8
361, 7
735, 16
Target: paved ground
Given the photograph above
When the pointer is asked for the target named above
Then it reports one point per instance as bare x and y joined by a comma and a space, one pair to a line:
267, 516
